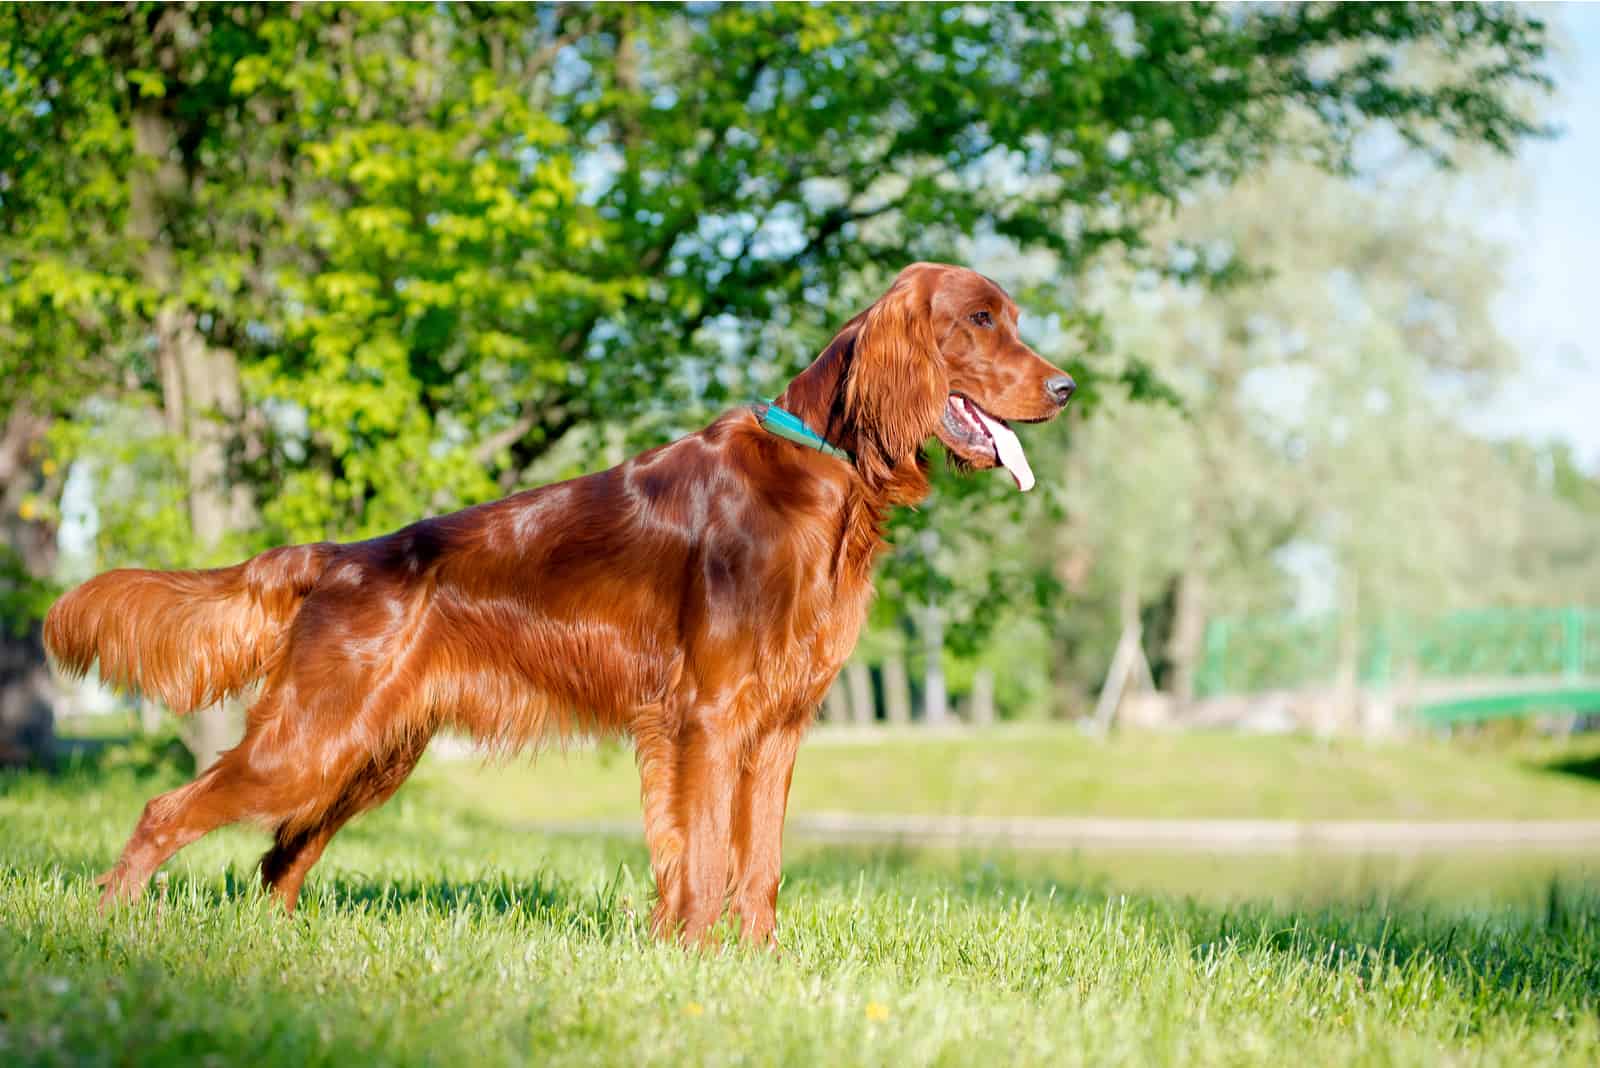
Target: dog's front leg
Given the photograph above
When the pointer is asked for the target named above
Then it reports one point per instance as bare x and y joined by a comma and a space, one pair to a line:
758, 813
707, 776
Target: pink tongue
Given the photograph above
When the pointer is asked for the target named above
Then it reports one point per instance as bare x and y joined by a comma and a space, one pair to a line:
1008, 448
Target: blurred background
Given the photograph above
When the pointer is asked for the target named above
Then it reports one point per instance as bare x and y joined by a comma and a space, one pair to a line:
1317, 540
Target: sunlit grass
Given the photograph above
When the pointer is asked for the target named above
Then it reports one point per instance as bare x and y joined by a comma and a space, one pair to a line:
430, 934
1031, 772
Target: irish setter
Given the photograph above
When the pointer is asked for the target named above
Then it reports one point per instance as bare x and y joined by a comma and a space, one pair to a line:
699, 598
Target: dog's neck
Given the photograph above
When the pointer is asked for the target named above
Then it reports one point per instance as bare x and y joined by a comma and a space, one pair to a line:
817, 396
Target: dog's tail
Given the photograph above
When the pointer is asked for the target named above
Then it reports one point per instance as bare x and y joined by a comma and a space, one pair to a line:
189, 638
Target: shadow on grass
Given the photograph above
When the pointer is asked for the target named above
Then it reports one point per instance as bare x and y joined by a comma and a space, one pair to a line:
1585, 767
541, 898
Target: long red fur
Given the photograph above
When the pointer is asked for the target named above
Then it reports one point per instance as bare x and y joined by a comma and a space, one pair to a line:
189, 638
700, 598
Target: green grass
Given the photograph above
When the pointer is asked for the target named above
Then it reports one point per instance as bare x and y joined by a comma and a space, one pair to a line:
433, 935
1055, 772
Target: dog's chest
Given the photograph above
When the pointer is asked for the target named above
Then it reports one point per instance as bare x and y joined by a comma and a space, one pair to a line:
809, 652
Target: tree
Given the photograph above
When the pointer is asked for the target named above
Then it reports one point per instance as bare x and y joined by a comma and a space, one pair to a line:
1322, 401
374, 261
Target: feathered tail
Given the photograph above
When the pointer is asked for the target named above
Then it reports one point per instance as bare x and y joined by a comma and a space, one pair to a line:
189, 638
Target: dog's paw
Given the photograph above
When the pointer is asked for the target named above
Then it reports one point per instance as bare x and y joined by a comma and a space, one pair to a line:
118, 888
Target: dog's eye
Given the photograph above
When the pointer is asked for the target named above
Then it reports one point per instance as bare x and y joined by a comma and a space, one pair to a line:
981, 318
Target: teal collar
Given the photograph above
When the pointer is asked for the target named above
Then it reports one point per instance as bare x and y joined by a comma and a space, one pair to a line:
787, 425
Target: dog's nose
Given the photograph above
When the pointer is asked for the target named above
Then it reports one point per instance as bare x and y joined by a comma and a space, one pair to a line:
1060, 388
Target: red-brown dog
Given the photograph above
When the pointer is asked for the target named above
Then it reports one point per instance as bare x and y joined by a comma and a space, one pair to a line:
699, 597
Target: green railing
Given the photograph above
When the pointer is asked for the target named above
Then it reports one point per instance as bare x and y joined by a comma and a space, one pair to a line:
1254, 654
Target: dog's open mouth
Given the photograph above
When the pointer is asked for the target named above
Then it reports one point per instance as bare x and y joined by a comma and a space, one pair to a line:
979, 432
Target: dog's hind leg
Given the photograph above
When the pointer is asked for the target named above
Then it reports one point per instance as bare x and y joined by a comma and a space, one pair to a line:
229, 791
296, 846
266, 778
293, 852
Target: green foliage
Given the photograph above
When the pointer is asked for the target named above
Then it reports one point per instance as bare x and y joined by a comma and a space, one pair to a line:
1323, 407
448, 250
438, 238
138, 468
149, 758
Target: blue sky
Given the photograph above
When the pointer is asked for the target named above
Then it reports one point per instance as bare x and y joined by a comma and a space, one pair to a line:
1551, 304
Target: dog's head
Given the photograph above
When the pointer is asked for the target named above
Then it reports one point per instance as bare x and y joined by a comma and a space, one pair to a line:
938, 356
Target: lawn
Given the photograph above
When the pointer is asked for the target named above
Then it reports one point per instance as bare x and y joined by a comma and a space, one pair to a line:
1041, 771
433, 933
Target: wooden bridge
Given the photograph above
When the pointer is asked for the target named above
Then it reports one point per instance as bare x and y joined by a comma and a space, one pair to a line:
1460, 667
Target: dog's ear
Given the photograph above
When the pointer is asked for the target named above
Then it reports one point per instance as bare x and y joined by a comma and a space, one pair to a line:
896, 389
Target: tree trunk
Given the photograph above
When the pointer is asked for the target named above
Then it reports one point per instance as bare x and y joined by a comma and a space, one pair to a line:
149, 716
1188, 634
211, 404
200, 384
27, 693
836, 706
935, 699
863, 709
896, 690
1127, 663
983, 698
1346, 712
27, 555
